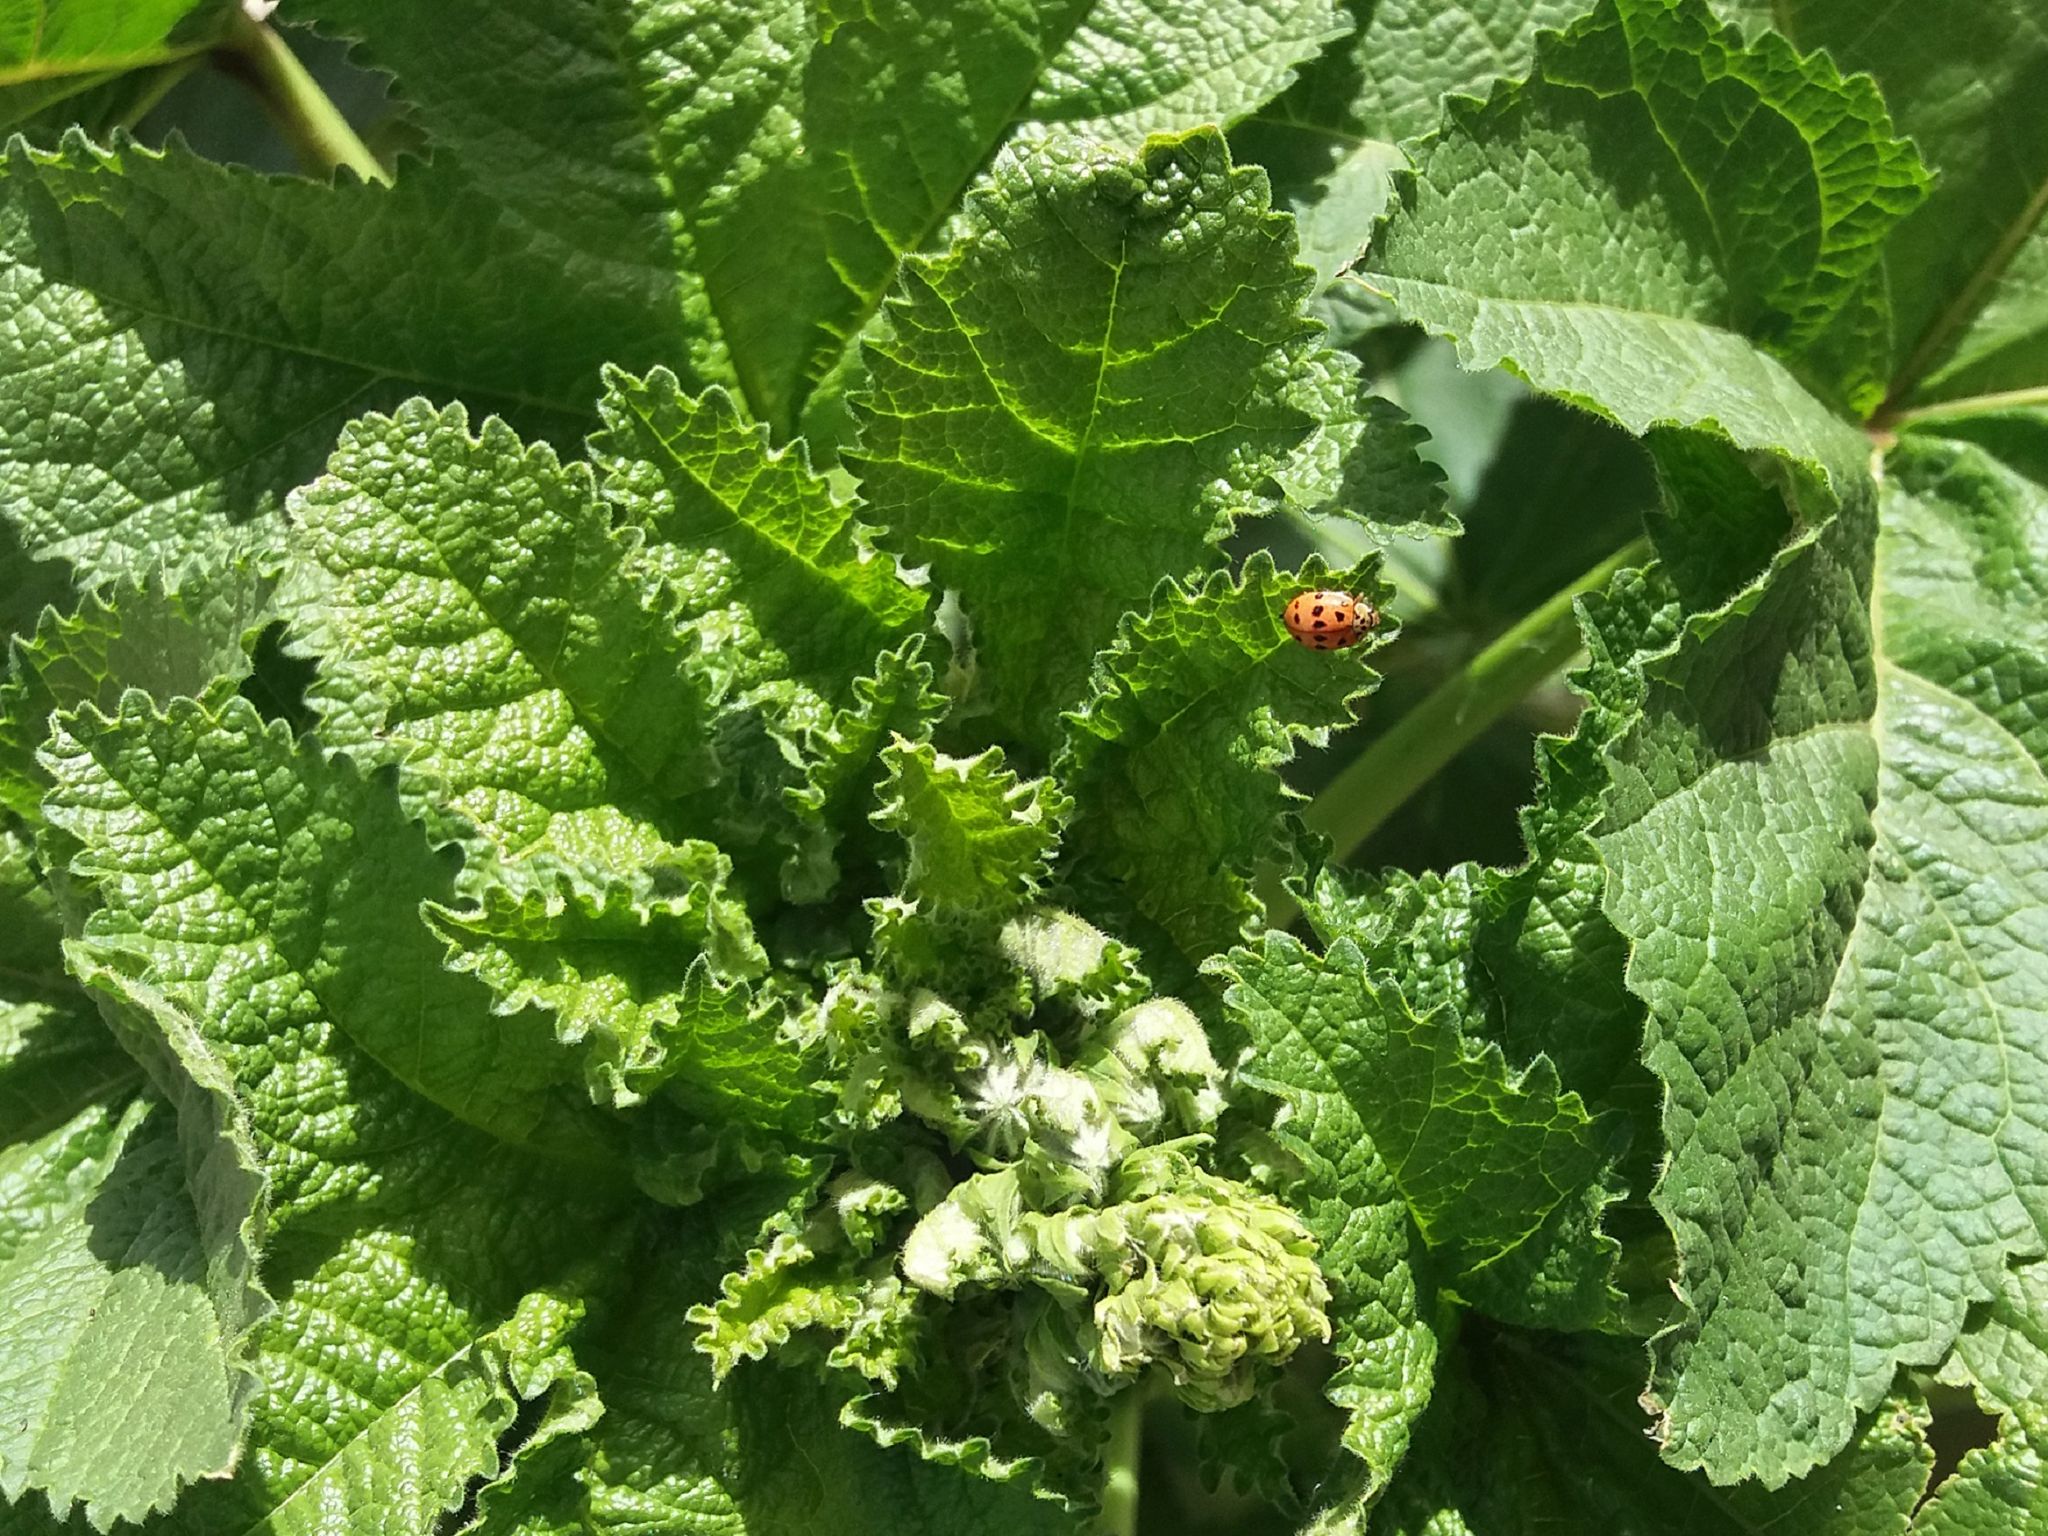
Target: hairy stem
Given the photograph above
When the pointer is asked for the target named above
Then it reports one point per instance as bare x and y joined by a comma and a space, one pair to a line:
1120, 1464
1380, 779
310, 123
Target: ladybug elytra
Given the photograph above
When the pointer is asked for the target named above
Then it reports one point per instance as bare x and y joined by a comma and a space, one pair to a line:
1329, 621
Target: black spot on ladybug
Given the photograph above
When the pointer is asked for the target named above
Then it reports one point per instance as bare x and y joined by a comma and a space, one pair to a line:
1319, 623
1318, 608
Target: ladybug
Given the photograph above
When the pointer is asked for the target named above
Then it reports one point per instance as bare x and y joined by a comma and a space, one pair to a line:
1329, 621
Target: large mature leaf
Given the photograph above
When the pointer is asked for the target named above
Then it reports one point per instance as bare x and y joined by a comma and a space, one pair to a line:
1564, 1451
1825, 840
165, 378
1083, 393
118, 1371
51, 50
1696, 196
1969, 269
400, 1357
480, 623
775, 161
272, 895
128, 1232
1172, 760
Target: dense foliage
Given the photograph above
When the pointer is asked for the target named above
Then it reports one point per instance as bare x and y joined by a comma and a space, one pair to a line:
648, 875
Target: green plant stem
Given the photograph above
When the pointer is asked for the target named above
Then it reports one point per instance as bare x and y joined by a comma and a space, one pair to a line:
1120, 1465
315, 128
1376, 783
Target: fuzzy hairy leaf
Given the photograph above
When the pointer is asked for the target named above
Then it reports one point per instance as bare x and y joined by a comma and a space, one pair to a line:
1480, 1156
109, 1321
1825, 841
640, 984
169, 642
201, 378
979, 838
477, 621
1700, 199
703, 483
129, 1227
203, 836
1172, 760
1563, 1452
400, 1356
689, 139
1968, 270
1083, 392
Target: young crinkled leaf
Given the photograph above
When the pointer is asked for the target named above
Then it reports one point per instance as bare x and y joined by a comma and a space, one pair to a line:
639, 983
1848, 1017
1423, 1160
1051, 432
703, 483
979, 839
1672, 233
199, 835
1172, 759
778, 159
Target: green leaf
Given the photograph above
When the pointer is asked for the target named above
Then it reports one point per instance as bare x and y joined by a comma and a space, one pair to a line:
169, 641
54, 50
636, 981
1968, 269
118, 1370
1479, 1156
1173, 759
275, 895
1538, 1433
1824, 841
704, 483
401, 1354
1999, 1490
128, 1233
1052, 431
165, 377
1132, 68
54, 1063
979, 838
773, 162
1699, 199
31, 932
477, 621
763, 1454
2002, 1487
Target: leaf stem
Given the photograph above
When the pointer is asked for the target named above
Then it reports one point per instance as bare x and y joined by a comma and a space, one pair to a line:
1120, 1470
1380, 779
313, 125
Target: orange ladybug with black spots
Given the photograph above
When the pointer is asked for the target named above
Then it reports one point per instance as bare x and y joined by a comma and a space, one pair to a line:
1329, 621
